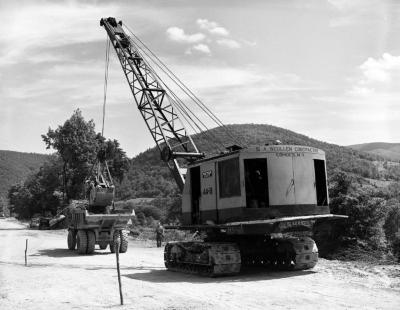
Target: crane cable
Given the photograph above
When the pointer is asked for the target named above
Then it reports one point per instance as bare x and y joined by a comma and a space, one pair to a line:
105, 82
178, 103
171, 76
184, 88
107, 61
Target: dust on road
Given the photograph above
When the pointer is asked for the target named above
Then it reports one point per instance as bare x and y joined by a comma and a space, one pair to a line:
58, 278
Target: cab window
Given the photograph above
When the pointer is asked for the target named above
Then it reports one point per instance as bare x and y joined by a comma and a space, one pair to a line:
229, 178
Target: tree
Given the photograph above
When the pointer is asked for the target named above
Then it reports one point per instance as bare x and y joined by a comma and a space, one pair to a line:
80, 147
76, 143
3, 206
39, 192
392, 227
111, 152
20, 197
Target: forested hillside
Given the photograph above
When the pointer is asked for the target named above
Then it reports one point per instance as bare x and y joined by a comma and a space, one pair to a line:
16, 166
390, 151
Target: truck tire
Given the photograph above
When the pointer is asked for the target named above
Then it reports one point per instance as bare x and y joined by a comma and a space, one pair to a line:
124, 241
91, 237
71, 239
116, 240
82, 241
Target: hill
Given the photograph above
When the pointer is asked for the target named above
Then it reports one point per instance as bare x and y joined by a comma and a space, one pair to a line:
149, 177
16, 166
390, 151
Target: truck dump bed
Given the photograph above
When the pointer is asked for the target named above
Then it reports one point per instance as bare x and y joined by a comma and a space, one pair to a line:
81, 219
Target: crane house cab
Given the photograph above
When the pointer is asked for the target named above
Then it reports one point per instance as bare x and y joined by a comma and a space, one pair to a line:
256, 183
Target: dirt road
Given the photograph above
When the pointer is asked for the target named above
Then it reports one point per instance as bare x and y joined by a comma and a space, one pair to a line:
60, 279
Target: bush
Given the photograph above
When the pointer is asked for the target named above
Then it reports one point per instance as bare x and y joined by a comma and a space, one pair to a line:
371, 225
392, 228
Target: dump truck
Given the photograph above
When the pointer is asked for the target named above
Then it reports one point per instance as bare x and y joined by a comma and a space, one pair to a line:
94, 220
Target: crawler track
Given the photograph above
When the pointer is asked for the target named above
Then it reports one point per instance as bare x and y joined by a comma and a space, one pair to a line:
284, 254
203, 258
215, 259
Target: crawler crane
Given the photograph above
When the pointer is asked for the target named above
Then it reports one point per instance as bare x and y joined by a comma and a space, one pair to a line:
254, 205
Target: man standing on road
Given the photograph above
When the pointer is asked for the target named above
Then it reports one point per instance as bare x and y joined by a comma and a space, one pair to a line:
159, 234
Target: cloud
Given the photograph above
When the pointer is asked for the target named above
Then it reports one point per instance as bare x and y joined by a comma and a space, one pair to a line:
229, 43
382, 69
345, 5
347, 13
212, 27
380, 75
370, 102
59, 24
178, 34
219, 78
202, 48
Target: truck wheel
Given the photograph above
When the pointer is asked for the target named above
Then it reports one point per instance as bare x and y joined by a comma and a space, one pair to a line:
116, 240
71, 239
82, 241
124, 241
91, 237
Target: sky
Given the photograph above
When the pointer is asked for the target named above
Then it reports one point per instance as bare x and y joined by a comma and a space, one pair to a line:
329, 69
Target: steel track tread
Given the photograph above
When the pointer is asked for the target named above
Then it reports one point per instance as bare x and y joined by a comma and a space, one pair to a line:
201, 258
285, 254
306, 253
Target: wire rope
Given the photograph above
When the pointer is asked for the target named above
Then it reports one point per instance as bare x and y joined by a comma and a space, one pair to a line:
183, 87
105, 82
178, 103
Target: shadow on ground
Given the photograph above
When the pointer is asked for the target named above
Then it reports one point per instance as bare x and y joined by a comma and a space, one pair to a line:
246, 275
64, 253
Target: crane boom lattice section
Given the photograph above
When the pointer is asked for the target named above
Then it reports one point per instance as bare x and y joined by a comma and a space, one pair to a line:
157, 111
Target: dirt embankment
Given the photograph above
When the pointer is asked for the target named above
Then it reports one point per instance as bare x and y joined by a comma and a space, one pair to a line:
58, 278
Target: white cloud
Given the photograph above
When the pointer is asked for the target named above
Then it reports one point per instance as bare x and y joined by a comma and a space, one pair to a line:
178, 34
382, 69
379, 76
345, 5
371, 102
45, 25
212, 27
361, 91
229, 43
250, 43
217, 78
202, 48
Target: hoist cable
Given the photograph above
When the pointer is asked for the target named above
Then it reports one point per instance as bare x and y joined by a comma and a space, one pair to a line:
105, 82
185, 89
106, 66
179, 104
